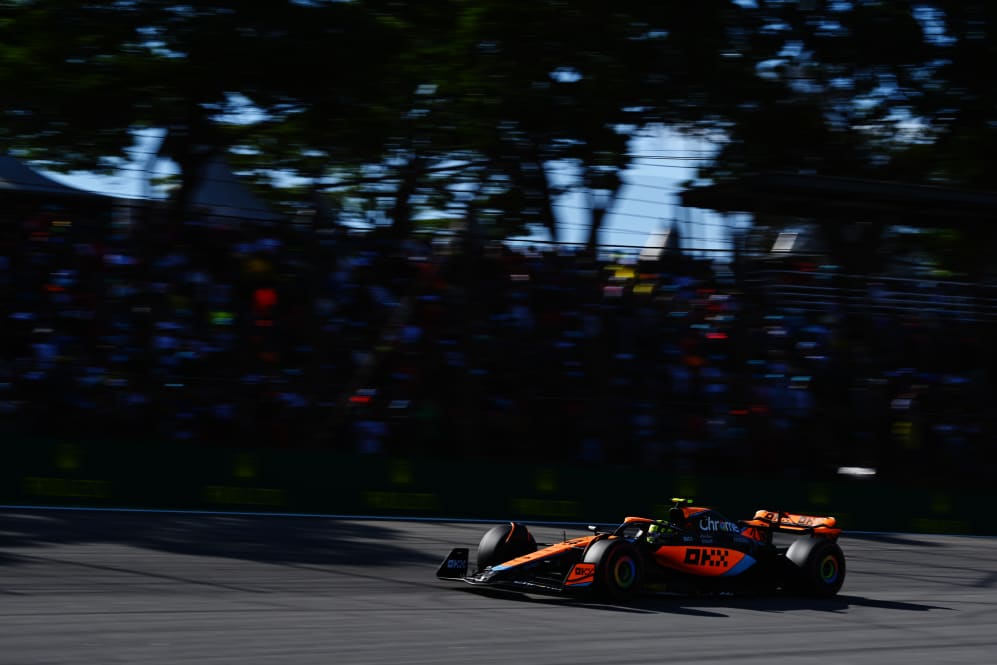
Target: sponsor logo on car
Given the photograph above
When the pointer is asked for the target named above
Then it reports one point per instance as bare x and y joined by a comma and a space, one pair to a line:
581, 570
581, 574
703, 556
713, 524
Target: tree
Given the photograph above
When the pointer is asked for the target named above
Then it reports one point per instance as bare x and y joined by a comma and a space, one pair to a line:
78, 77
955, 111
568, 84
824, 87
330, 90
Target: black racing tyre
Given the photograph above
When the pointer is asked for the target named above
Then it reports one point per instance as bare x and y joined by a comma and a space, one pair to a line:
819, 567
504, 542
619, 568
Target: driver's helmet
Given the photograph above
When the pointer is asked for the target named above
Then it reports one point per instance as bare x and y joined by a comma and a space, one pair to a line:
655, 531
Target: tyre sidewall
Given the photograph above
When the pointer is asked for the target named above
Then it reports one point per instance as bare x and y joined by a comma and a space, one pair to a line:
619, 569
818, 567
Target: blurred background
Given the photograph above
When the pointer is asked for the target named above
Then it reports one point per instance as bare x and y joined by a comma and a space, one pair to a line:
725, 241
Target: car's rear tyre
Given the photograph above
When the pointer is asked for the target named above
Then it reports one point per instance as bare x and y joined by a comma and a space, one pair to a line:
619, 569
504, 542
819, 567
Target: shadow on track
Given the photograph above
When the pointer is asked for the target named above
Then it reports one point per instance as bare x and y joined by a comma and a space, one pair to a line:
710, 606
893, 539
276, 539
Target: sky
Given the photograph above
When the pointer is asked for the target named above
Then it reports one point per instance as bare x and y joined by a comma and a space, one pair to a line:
662, 163
647, 203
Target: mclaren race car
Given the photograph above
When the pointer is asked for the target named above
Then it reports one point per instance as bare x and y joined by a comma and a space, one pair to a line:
695, 551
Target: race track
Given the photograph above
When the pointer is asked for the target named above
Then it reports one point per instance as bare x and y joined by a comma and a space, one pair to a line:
112, 587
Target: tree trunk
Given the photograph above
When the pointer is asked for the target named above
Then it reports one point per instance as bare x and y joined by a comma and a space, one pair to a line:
401, 209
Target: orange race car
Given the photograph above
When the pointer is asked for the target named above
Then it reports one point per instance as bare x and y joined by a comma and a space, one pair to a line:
696, 550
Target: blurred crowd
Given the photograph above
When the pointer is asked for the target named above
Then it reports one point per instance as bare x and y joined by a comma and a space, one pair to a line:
214, 332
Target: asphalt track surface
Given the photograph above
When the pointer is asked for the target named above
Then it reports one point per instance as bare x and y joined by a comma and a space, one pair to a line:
109, 587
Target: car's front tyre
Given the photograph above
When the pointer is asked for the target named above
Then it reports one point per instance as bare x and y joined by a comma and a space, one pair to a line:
504, 542
619, 569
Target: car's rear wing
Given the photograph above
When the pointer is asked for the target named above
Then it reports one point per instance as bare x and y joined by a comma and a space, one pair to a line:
794, 523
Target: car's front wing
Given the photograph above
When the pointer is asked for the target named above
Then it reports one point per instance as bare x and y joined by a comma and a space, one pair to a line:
551, 576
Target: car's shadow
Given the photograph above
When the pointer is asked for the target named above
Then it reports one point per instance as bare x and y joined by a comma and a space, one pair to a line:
716, 606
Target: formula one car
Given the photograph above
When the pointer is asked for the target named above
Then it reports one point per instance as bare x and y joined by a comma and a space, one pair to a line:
695, 551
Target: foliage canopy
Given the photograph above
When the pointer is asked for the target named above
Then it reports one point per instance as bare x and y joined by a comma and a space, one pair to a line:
461, 106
